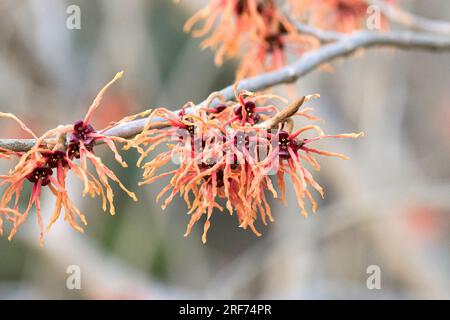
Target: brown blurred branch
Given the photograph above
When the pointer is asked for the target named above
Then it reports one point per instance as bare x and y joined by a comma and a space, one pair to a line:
310, 61
282, 116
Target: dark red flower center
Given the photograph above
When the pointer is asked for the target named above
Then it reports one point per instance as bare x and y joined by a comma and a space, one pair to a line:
274, 41
73, 150
219, 174
284, 143
249, 108
182, 136
191, 129
242, 6
53, 158
219, 108
241, 141
219, 178
40, 173
81, 132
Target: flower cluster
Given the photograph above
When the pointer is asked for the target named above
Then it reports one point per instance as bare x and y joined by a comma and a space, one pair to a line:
338, 15
46, 165
230, 155
261, 34
255, 29
231, 150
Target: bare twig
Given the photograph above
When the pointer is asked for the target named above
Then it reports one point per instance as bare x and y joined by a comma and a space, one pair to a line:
282, 116
409, 20
323, 36
292, 72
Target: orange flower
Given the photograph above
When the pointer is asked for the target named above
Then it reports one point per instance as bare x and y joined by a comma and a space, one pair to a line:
269, 49
292, 153
338, 15
254, 29
50, 156
82, 140
236, 19
249, 108
218, 146
37, 169
211, 163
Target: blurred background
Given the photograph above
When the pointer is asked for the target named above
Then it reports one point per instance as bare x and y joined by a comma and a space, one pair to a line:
388, 206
